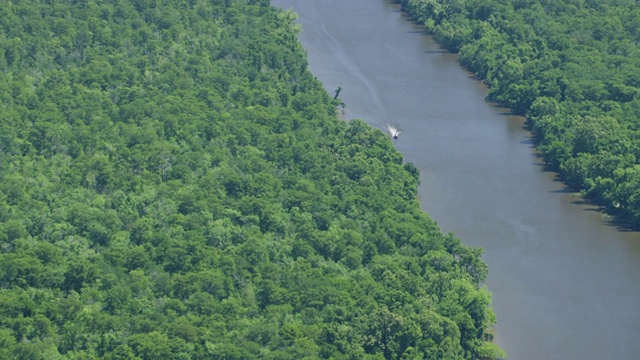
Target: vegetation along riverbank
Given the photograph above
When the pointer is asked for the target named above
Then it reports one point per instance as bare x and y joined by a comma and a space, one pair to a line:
573, 68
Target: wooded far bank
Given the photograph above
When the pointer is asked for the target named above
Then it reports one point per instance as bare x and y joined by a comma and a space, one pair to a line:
573, 68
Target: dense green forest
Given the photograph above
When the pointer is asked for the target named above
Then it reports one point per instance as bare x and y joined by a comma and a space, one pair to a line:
175, 184
573, 68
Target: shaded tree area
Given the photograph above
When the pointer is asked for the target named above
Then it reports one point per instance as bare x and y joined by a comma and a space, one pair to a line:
175, 184
573, 68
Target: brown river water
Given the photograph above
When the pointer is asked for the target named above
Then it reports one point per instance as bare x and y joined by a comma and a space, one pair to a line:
565, 283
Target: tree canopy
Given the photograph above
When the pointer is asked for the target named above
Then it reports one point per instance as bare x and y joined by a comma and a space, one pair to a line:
175, 184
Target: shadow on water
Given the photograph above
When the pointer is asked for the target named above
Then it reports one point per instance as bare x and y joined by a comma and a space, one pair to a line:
588, 205
562, 191
608, 219
529, 141
618, 224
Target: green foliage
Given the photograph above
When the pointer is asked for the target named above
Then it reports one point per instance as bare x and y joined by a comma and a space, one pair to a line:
572, 67
175, 184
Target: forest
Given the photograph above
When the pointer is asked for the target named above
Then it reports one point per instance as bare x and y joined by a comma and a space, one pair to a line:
573, 69
175, 184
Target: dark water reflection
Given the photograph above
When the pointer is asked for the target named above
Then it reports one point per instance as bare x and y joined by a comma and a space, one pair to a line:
565, 282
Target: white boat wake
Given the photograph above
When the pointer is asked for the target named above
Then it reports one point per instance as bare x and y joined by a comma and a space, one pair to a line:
393, 131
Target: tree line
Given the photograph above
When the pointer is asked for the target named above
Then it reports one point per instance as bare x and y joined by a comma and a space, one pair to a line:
174, 183
573, 68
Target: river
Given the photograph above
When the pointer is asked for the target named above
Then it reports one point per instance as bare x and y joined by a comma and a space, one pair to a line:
565, 283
